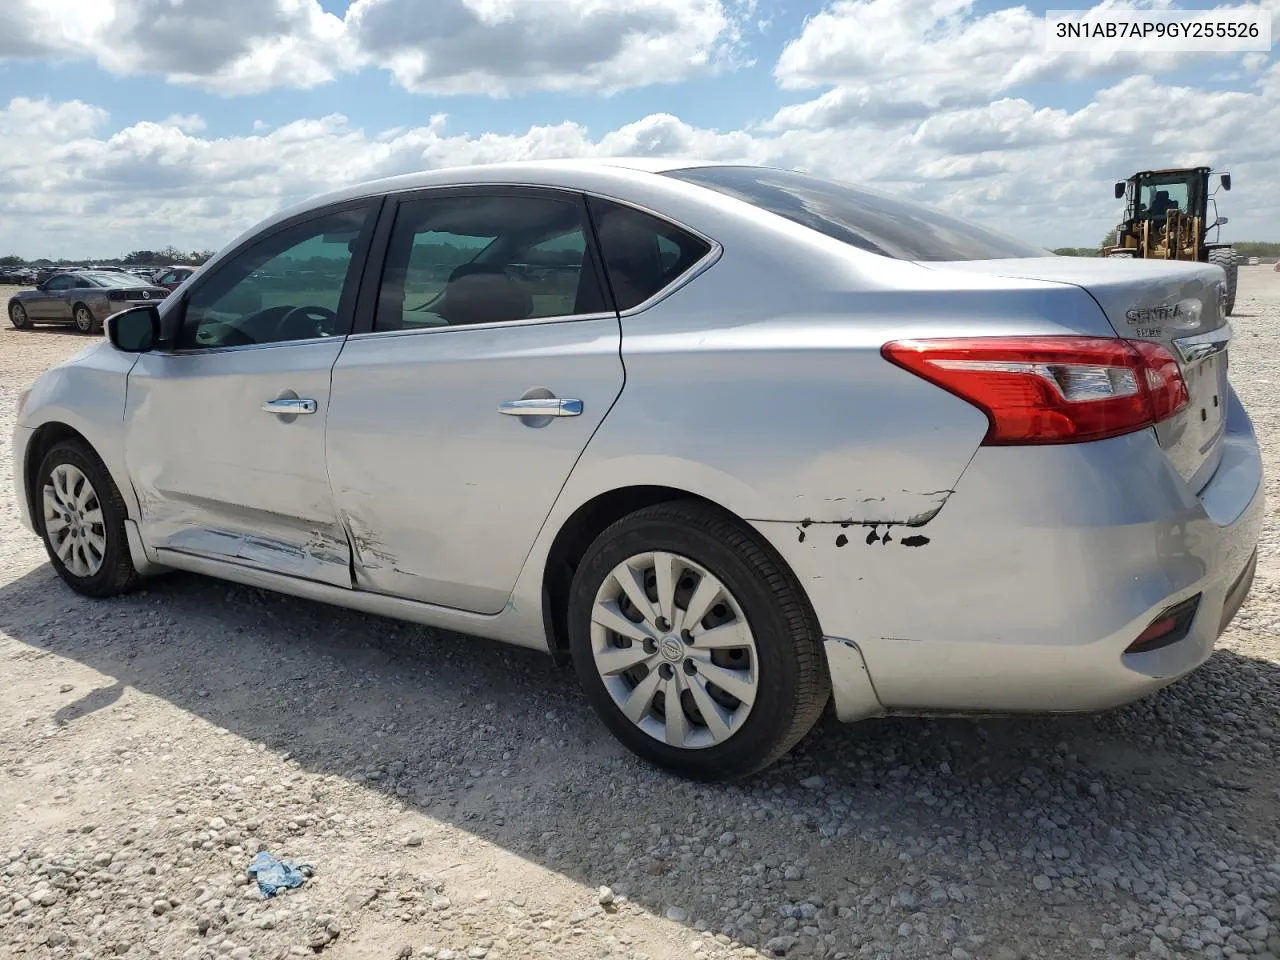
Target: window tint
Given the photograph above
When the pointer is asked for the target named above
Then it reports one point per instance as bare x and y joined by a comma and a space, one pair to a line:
455, 261
641, 253
288, 286
111, 280
869, 221
62, 282
1158, 199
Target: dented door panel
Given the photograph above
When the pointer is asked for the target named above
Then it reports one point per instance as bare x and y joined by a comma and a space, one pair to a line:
443, 495
217, 476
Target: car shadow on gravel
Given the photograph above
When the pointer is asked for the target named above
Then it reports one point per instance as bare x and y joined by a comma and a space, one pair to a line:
497, 741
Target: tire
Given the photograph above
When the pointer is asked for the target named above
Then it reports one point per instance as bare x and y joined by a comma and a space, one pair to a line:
781, 667
96, 520
1225, 257
85, 320
18, 317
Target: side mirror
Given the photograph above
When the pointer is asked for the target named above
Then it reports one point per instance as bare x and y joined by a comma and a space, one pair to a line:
1221, 222
135, 330
1120, 190
1226, 181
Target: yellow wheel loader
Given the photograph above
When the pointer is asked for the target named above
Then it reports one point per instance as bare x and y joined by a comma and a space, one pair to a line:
1167, 217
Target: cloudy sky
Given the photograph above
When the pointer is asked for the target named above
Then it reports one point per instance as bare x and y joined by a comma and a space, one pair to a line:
140, 123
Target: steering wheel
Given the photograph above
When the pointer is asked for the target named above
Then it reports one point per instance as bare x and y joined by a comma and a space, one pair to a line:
305, 323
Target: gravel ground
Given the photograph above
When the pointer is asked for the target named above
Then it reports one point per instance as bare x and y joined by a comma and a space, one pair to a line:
458, 800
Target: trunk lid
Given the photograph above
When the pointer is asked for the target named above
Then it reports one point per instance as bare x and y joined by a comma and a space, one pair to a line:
1174, 303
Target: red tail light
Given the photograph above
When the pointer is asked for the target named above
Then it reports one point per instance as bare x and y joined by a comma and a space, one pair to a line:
1051, 389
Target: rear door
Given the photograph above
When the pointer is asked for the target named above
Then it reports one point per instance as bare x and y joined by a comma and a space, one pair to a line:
456, 418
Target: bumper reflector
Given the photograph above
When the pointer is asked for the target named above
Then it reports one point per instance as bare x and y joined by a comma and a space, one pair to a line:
1172, 625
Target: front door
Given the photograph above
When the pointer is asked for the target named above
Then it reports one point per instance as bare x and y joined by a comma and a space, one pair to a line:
457, 419
51, 302
224, 427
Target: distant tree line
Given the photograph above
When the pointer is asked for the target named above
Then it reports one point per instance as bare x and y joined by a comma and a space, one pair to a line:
168, 255
1243, 248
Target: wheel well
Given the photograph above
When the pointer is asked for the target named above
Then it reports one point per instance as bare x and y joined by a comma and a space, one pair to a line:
46, 437
577, 534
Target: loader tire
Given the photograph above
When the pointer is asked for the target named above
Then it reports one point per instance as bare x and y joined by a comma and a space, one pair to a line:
1225, 257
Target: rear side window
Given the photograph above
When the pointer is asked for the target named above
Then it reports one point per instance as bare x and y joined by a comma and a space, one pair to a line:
642, 254
487, 258
859, 217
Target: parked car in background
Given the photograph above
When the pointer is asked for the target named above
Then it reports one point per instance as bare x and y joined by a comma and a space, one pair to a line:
85, 299
775, 443
1254, 261
44, 273
172, 277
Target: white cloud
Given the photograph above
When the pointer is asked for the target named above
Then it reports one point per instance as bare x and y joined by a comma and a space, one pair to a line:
495, 47
72, 186
501, 47
925, 98
900, 58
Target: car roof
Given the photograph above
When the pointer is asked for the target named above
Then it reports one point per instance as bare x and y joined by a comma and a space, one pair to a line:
617, 176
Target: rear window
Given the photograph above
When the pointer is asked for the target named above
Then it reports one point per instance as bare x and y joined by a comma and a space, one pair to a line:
866, 220
112, 279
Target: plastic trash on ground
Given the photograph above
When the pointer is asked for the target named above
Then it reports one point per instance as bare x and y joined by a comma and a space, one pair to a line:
275, 875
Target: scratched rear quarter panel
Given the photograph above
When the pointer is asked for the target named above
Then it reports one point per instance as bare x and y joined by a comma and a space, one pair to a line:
760, 384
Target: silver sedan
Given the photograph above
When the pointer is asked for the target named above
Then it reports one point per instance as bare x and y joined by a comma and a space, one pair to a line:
741, 444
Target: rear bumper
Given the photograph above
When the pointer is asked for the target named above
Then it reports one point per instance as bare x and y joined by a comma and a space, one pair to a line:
1026, 590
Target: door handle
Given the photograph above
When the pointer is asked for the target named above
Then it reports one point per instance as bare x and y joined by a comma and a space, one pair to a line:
550, 407
289, 406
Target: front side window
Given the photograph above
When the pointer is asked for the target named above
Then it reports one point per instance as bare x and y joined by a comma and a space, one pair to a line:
463, 260
859, 217
62, 282
642, 254
288, 286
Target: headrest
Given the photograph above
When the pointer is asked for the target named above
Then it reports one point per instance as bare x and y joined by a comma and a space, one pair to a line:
476, 294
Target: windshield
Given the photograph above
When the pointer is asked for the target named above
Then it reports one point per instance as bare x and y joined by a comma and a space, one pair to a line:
1157, 199
859, 217
112, 279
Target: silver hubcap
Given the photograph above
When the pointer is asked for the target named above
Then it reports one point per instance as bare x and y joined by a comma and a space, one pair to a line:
674, 650
19, 315
84, 320
73, 521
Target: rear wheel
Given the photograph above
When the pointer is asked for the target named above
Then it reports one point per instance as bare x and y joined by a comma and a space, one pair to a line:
694, 644
18, 317
85, 321
80, 515
1225, 257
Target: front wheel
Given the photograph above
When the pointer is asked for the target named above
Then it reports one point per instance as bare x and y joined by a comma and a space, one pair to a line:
80, 516
1225, 257
695, 644
18, 317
